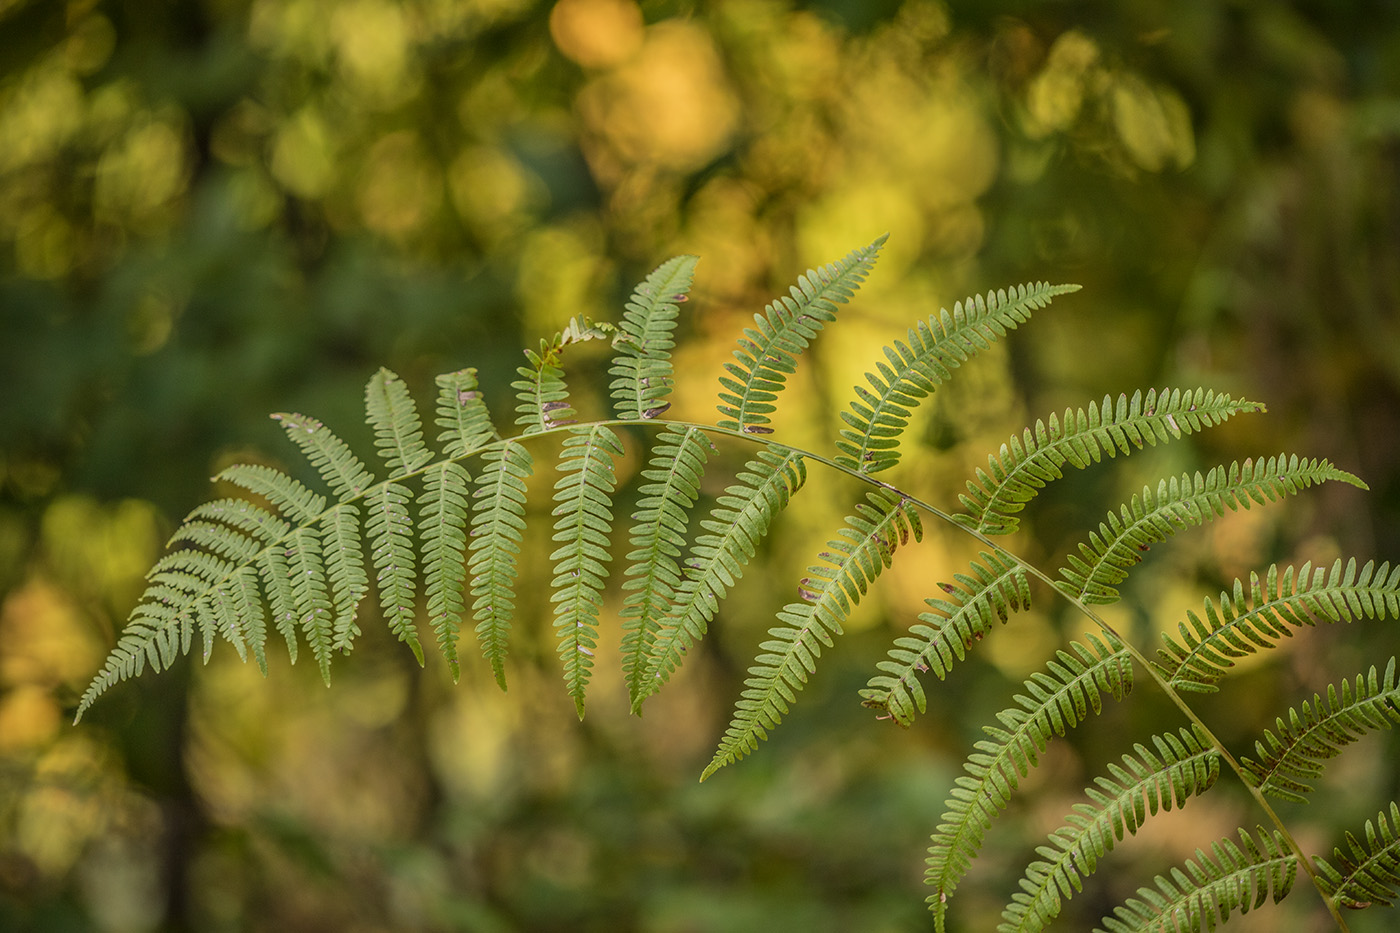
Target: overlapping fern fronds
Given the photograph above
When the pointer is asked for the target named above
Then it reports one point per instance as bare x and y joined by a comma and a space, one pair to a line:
445, 528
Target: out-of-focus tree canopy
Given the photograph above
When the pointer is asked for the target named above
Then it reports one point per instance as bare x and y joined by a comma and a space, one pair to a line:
212, 210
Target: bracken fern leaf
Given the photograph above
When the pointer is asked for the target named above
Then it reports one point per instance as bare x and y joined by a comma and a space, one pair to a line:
740, 519
1183, 766
498, 520
1366, 874
996, 588
1243, 624
879, 415
582, 527
442, 524
1313, 733
1056, 700
831, 590
1026, 464
768, 355
641, 370
1212, 887
1179, 503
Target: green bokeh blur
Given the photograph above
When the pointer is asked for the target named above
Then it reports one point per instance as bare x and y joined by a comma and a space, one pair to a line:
214, 210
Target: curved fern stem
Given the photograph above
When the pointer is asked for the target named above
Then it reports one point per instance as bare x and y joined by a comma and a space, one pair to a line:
1026, 464
1059, 699
1312, 733
1180, 503
996, 588
739, 520
768, 355
879, 415
864, 549
1243, 624
1184, 766
1233, 878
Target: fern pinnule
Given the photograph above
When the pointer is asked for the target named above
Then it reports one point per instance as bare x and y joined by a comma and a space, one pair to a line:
1243, 624
461, 414
1366, 874
498, 521
277, 584
298, 503
1182, 502
657, 536
310, 599
1028, 462
768, 355
1056, 700
339, 467
391, 538
345, 570
1183, 766
1312, 733
543, 398
1212, 887
739, 520
398, 431
442, 525
865, 548
996, 587
582, 528
641, 370
879, 415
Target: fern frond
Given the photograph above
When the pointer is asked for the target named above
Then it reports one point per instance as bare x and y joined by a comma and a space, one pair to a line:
277, 583
345, 568
582, 528
996, 588
879, 415
657, 536
768, 355
1241, 625
642, 369
1368, 874
442, 524
1312, 733
1233, 878
831, 590
398, 432
462, 415
1026, 464
1180, 503
248, 610
498, 520
339, 467
391, 533
290, 497
739, 520
1056, 700
1184, 766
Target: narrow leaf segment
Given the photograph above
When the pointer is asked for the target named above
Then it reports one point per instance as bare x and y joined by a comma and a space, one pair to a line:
641, 370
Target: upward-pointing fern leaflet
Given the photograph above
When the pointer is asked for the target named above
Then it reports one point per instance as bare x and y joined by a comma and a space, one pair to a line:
768, 355
879, 415
830, 591
582, 529
642, 368
657, 536
737, 523
1059, 699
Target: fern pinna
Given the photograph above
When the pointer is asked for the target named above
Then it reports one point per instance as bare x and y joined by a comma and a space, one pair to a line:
445, 525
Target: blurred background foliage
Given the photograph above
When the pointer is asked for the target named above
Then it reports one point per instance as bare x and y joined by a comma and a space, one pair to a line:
212, 209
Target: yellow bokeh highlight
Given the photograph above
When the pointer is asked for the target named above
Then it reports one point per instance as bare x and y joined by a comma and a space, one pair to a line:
670, 107
560, 274
596, 33
400, 187
1154, 125
304, 154
39, 114
493, 193
1056, 94
372, 45
142, 172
